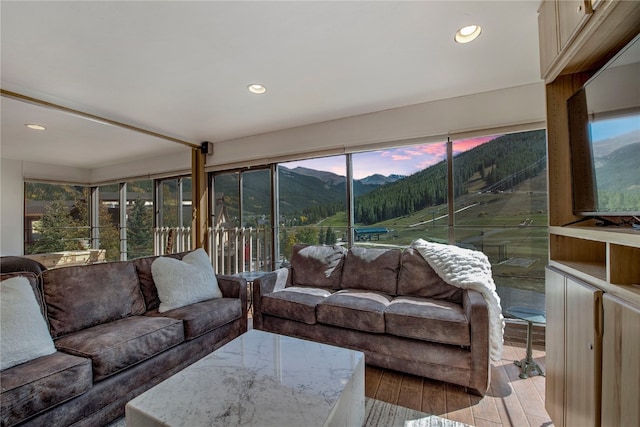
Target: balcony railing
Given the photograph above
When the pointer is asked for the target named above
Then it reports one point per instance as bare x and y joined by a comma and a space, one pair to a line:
232, 250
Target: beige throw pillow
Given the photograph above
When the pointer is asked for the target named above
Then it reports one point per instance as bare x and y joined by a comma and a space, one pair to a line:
185, 282
24, 334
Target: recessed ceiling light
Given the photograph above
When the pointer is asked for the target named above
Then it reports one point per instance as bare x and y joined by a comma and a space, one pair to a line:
257, 88
467, 34
35, 126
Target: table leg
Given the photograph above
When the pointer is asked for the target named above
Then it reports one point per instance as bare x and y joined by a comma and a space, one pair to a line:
528, 366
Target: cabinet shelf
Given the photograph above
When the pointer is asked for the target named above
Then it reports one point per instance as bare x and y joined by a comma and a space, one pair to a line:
606, 257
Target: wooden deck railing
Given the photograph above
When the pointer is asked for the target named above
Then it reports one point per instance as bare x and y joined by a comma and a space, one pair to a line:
232, 250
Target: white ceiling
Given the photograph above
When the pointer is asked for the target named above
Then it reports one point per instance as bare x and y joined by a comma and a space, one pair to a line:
182, 68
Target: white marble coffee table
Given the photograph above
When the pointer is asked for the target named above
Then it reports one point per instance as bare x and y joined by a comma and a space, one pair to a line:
259, 379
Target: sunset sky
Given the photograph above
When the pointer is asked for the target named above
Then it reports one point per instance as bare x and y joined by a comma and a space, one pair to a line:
400, 161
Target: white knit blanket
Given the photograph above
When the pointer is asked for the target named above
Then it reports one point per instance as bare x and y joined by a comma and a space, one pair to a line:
468, 269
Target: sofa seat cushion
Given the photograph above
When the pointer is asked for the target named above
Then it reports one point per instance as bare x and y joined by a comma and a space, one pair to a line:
39, 384
203, 317
295, 303
355, 309
428, 320
83, 296
115, 346
317, 266
372, 269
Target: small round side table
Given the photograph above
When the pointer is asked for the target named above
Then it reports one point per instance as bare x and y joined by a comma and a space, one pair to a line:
528, 366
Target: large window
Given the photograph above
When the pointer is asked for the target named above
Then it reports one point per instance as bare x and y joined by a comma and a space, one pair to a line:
109, 220
56, 218
139, 218
500, 206
400, 195
313, 203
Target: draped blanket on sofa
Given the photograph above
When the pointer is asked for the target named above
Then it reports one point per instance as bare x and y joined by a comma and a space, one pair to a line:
467, 269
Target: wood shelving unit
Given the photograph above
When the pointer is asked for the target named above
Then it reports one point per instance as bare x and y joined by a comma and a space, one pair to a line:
574, 44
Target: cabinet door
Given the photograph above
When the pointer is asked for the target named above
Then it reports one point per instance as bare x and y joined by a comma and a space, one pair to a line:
620, 363
554, 337
548, 34
583, 353
572, 14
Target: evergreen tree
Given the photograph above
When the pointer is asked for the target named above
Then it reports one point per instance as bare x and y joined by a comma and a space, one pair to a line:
57, 228
140, 230
330, 237
307, 235
321, 236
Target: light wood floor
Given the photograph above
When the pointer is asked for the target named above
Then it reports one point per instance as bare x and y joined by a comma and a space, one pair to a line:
510, 401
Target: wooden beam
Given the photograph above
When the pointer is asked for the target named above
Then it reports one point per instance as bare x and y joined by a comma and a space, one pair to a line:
200, 201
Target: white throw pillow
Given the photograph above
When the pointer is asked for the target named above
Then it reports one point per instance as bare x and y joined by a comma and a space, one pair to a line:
185, 282
24, 334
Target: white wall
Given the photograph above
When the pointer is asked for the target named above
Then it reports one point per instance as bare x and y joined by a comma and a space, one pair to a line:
174, 164
11, 207
495, 109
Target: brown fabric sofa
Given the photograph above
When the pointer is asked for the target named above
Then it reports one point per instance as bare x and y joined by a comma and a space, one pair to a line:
388, 303
112, 343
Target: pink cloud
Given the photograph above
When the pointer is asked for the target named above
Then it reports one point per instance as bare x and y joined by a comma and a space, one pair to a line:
399, 157
467, 144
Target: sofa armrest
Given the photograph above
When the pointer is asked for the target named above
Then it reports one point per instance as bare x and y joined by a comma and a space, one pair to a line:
477, 311
234, 287
271, 282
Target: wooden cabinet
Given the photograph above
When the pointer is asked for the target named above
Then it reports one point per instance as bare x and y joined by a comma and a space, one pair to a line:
559, 22
548, 34
572, 15
620, 363
593, 278
573, 361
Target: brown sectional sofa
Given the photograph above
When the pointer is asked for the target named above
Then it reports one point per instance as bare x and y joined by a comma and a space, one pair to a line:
112, 343
388, 303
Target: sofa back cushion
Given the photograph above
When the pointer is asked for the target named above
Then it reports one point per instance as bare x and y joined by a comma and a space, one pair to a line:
372, 269
417, 278
147, 285
84, 296
317, 266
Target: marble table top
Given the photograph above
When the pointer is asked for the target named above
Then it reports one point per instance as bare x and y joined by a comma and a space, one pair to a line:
259, 378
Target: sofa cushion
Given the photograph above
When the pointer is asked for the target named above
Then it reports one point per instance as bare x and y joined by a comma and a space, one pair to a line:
354, 309
84, 296
32, 387
428, 319
417, 278
317, 266
202, 317
184, 282
24, 334
372, 269
147, 285
115, 346
295, 303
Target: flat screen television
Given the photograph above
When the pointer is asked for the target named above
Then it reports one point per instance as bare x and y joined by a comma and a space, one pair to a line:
604, 137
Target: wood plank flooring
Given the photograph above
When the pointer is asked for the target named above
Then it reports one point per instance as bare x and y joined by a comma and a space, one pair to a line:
510, 401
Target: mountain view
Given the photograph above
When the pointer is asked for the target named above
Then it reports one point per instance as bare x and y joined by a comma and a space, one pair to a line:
498, 165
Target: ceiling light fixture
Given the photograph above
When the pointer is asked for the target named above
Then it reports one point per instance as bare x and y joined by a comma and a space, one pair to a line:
257, 88
467, 34
35, 126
